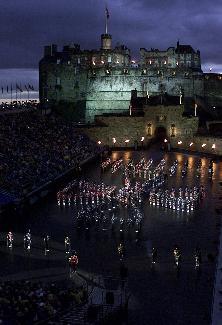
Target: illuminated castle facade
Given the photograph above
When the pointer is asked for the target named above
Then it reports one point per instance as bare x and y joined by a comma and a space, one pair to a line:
87, 83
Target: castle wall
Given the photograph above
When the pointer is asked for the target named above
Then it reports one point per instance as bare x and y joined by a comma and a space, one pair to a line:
111, 93
134, 128
213, 89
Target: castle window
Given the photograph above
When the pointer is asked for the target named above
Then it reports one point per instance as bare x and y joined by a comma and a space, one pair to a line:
173, 130
108, 72
125, 71
109, 59
58, 61
94, 73
149, 129
58, 81
78, 60
68, 62
144, 71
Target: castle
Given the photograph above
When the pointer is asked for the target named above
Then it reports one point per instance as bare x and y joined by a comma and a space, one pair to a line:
87, 83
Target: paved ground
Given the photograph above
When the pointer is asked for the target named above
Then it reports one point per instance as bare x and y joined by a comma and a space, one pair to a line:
158, 296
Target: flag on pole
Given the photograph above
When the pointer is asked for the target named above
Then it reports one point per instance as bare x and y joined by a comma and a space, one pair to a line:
2, 90
107, 13
31, 87
19, 88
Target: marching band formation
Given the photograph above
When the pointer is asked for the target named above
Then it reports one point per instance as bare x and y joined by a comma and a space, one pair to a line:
112, 207
120, 208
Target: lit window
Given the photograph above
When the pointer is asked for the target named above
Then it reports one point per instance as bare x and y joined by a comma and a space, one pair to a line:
173, 130
203, 145
191, 144
149, 129
58, 61
214, 146
180, 142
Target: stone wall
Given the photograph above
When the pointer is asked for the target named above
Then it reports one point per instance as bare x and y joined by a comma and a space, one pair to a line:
135, 129
213, 89
112, 93
108, 93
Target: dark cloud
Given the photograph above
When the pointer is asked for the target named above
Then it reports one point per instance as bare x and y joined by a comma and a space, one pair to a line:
27, 25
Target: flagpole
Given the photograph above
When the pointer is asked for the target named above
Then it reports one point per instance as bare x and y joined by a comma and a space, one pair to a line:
16, 97
11, 94
106, 27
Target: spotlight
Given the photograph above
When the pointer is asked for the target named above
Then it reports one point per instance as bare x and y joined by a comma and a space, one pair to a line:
180, 142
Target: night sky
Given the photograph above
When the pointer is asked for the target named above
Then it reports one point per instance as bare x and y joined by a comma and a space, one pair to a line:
27, 25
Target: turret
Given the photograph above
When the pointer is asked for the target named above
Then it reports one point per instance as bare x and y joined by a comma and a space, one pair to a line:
106, 42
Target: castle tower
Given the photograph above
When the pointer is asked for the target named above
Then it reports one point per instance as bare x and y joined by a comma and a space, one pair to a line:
106, 39
106, 42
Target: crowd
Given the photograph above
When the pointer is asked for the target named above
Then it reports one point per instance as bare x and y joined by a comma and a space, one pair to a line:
24, 302
35, 149
18, 105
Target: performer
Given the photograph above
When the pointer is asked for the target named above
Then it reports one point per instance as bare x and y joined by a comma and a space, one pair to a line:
9, 240
46, 242
120, 249
67, 245
73, 262
27, 240
154, 255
